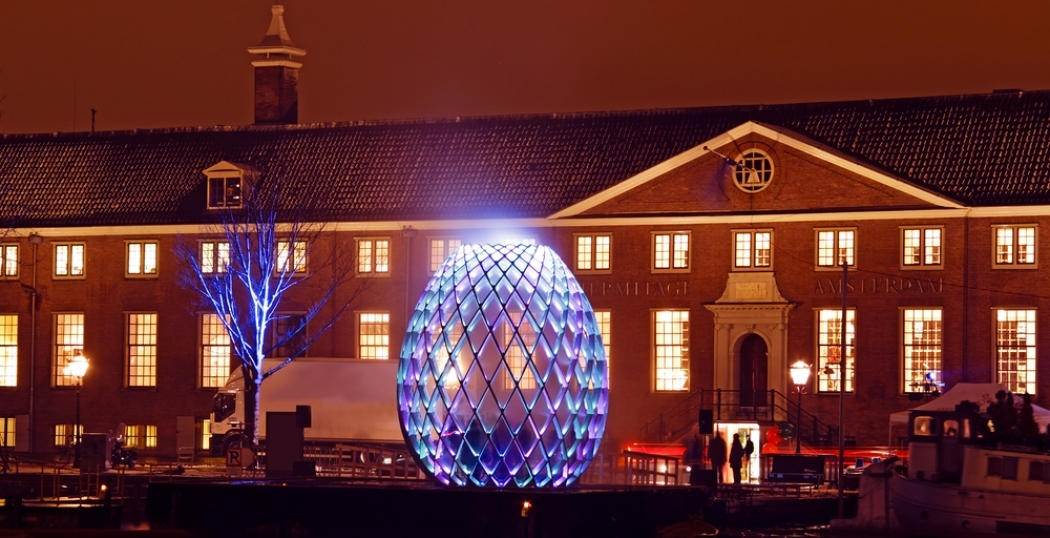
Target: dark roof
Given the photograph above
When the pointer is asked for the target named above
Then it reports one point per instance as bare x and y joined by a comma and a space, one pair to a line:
981, 150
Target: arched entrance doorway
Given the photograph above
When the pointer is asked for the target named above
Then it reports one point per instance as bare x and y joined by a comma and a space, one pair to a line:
754, 367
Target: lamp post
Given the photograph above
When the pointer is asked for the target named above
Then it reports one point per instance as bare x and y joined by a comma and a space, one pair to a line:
800, 377
76, 368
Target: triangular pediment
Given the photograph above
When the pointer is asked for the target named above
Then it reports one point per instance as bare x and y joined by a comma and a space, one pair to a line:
801, 176
227, 168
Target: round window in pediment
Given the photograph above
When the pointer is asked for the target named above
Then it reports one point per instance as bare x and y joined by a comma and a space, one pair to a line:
754, 171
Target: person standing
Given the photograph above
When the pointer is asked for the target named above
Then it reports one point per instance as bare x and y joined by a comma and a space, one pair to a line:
717, 453
736, 458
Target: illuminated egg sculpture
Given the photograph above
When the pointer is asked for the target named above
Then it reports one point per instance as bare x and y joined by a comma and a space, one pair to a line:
503, 380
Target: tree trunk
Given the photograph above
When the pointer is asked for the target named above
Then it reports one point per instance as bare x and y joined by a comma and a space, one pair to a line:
251, 407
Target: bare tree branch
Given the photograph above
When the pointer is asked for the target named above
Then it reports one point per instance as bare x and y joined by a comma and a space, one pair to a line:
268, 255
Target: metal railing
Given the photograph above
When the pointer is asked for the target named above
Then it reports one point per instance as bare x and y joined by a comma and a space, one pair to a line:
771, 405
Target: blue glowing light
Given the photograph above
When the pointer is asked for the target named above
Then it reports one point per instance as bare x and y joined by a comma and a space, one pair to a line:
503, 379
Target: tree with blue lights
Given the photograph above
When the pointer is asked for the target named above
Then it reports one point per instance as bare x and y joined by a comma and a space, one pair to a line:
260, 256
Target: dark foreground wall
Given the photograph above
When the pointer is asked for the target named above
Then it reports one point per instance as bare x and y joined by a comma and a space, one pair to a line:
320, 507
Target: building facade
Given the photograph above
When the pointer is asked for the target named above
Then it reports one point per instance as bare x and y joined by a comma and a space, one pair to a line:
710, 242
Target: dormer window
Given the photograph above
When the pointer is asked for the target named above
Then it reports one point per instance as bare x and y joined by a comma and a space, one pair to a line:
224, 192
228, 184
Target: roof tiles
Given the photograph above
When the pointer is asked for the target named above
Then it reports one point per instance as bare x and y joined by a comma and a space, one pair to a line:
989, 149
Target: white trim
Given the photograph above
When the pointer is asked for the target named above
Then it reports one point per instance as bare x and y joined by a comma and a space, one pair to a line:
735, 134
1020, 212
277, 63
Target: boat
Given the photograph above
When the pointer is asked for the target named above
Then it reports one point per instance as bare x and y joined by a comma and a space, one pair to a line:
962, 481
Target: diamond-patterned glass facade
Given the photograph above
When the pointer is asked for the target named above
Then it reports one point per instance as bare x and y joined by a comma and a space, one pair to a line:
503, 380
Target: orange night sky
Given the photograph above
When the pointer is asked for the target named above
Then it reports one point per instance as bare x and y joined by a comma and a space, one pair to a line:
167, 63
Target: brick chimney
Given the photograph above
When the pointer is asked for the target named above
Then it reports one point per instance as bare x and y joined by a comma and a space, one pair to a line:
276, 74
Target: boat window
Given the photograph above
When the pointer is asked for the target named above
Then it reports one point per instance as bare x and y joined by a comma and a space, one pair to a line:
923, 426
1009, 468
1035, 471
995, 466
951, 428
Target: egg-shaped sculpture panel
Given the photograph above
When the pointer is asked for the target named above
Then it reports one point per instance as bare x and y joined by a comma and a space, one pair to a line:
503, 379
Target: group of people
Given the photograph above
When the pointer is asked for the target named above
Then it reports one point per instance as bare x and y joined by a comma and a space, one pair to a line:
1009, 425
736, 456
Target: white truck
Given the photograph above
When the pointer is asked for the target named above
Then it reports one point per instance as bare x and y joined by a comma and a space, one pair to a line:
352, 402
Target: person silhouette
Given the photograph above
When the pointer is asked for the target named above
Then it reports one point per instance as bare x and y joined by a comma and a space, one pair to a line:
736, 458
717, 452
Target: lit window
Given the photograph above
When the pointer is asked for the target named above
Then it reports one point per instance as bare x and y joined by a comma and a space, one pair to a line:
291, 257
604, 320
215, 257
922, 247
671, 349
9, 261
7, 432
517, 352
593, 252
285, 337
133, 436
829, 350
69, 260
142, 258
440, 250
151, 436
373, 256
64, 435
206, 434
1015, 350
1015, 246
68, 339
752, 249
922, 349
671, 251
215, 352
224, 192
142, 349
8, 350
374, 335
834, 246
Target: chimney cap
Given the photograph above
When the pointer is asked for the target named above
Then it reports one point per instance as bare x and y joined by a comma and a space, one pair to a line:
276, 40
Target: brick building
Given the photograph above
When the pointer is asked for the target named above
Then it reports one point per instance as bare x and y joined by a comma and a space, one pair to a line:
709, 240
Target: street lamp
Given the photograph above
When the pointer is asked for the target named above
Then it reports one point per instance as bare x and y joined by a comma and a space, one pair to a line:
800, 377
76, 368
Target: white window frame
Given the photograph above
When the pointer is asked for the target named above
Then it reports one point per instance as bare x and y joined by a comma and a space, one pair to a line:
440, 249
66, 256
67, 335
1015, 331
373, 335
603, 318
142, 258
8, 350
8, 431
228, 200
753, 250
829, 347
670, 350
671, 252
829, 253
922, 348
1008, 242
922, 247
373, 255
8, 261
593, 253
291, 257
214, 350
214, 257
140, 349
